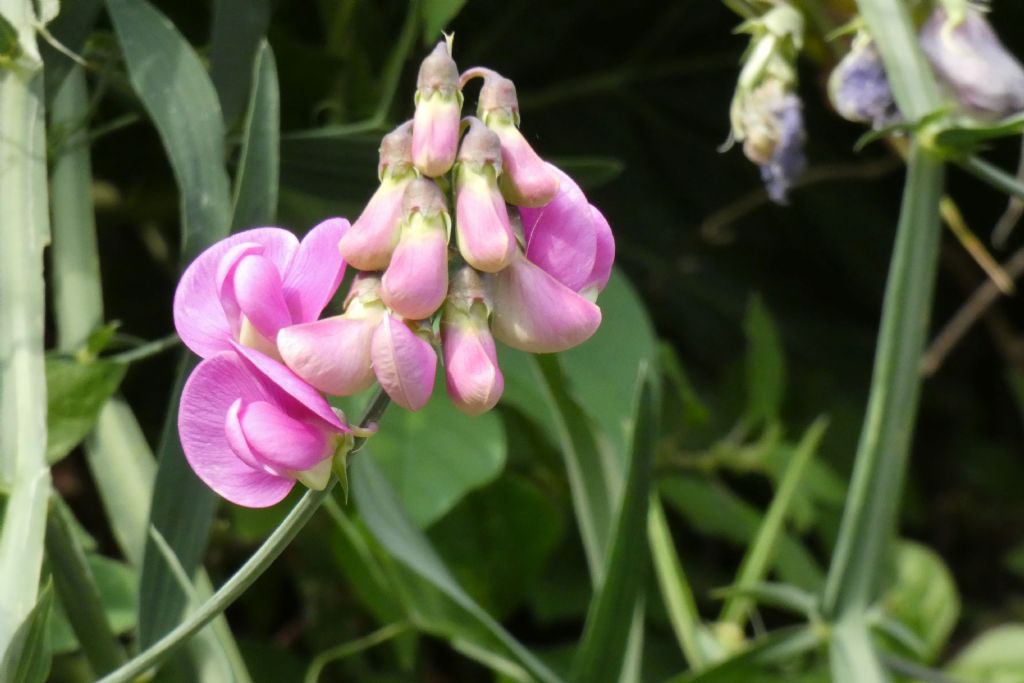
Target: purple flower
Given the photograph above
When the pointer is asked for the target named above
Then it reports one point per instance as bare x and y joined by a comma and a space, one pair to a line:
973, 64
787, 161
859, 88
249, 286
404, 361
250, 428
543, 302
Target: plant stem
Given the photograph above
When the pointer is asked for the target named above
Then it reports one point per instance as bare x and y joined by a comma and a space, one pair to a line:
233, 588
873, 503
993, 175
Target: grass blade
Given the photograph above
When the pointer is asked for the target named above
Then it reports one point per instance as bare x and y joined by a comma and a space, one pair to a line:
238, 28
27, 660
76, 587
588, 481
605, 635
24, 231
675, 589
759, 556
256, 184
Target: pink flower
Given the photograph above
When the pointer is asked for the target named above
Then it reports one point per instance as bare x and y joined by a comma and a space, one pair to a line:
249, 428
543, 302
371, 240
570, 239
472, 375
435, 133
333, 354
247, 287
527, 180
482, 224
404, 361
416, 281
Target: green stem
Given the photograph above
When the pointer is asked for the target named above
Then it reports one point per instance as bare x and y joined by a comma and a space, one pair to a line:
24, 231
378, 637
247, 575
993, 175
869, 518
762, 551
79, 594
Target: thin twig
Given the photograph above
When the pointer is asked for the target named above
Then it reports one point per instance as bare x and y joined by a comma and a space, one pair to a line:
1014, 210
976, 305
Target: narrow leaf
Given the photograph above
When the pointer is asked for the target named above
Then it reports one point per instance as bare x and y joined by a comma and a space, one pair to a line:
600, 655
27, 660
391, 525
238, 28
76, 394
256, 183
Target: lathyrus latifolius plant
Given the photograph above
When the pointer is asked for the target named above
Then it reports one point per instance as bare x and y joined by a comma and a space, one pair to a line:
525, 264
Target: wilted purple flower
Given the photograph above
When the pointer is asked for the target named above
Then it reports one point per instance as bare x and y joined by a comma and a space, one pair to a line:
859, 87
787, 161
973, 64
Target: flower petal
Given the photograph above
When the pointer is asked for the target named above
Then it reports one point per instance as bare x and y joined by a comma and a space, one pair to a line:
482, 225
280, 440
316, 271
214, 386
368, 244
561, 236
404, 363
605, 257
435, 133
258, 291
240, 445
472, 375
332, 354
526, 180
199, 316
535, 312
415, 283
287, 388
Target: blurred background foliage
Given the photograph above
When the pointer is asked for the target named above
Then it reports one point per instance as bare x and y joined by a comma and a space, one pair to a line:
765, 318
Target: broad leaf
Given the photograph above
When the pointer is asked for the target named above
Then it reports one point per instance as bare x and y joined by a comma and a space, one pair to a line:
76, 392
923, 596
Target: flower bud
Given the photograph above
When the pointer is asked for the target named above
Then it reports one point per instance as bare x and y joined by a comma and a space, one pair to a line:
333, 354
973, 64
435, 134
370, 241
416, 281
527, 180
859, 87
472, 375
404, 361
535, 312
482, 225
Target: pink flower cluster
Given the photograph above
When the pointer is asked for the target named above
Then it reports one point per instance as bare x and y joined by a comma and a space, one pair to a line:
529, 257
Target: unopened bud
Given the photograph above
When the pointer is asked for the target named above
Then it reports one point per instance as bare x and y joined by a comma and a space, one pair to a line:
482, 225
435, 135
472, 375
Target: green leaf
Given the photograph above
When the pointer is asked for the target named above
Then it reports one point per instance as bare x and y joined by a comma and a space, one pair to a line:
716, 511
27, 659
118, 586
765, 364
239, 26
183, 106
390, 524
602, 372
75, 394
10, 47
437, 455
256, 183
758, 558
967, 134
606, 631
676, 593
852, 654
779, 646
498, 539
779, 595
996, 656
79, 593
923, 597
436, 16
